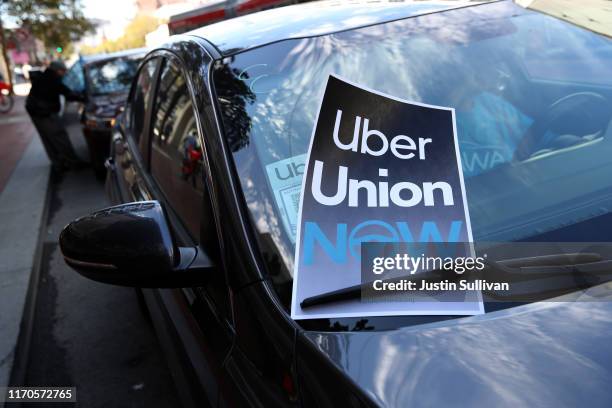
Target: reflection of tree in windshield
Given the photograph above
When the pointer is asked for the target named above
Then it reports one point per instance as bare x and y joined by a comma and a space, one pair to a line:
233, 96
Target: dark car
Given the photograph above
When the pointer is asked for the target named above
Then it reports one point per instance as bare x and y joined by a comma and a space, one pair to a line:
206, 232
106, 81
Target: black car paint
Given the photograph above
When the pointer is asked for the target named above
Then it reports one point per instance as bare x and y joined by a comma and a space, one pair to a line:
99, 231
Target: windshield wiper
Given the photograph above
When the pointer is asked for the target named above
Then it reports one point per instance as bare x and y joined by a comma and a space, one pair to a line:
576, 271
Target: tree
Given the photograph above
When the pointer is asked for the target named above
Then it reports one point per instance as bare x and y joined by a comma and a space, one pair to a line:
136, 31
133, 37
57, 23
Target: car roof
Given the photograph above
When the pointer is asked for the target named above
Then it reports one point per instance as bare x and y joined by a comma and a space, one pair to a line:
313, 19
89, 59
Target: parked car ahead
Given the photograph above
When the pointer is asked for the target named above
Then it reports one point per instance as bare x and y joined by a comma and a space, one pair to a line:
210, 111
105, 80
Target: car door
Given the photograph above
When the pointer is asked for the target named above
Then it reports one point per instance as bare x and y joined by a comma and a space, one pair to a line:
201, 315
157, 155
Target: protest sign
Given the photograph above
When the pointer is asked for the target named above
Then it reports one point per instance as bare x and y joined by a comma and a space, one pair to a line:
378, 169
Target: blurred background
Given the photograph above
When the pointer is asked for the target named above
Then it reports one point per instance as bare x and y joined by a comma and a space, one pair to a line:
34, 32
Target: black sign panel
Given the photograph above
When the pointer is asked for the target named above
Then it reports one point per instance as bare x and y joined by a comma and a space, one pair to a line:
378, 169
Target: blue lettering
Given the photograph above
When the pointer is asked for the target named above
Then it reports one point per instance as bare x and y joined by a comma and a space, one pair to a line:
401, 232
313, 233
355, 242
430, 229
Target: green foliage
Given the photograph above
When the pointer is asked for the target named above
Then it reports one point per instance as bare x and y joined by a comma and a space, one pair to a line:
57, 23
134, 36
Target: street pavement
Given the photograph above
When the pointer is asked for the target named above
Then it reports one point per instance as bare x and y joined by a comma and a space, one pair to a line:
83, 333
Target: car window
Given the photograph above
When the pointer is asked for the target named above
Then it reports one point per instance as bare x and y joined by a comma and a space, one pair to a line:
112, 76
140, 99
176, 153
532, 96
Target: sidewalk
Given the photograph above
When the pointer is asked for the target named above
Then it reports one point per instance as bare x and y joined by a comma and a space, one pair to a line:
24, 179
16, 132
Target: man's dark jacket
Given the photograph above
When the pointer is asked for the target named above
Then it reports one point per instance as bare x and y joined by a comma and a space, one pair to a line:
44, 97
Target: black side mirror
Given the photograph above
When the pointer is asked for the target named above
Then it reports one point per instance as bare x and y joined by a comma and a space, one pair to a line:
131, 245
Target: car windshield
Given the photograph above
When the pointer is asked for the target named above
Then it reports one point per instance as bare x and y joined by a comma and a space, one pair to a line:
112, 76
532, 96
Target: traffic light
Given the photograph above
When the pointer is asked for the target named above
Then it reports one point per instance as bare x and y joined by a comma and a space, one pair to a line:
59, 50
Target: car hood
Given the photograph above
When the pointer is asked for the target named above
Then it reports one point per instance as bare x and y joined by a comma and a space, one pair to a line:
545, 354
105, 106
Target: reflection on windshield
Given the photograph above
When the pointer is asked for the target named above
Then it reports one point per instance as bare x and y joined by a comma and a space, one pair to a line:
532, 96
112, 76
233, 96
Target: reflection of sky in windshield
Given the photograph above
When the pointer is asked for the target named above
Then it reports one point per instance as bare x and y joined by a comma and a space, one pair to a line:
287, 22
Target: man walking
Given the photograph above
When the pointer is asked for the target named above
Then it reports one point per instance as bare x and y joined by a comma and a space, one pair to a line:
43, 106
